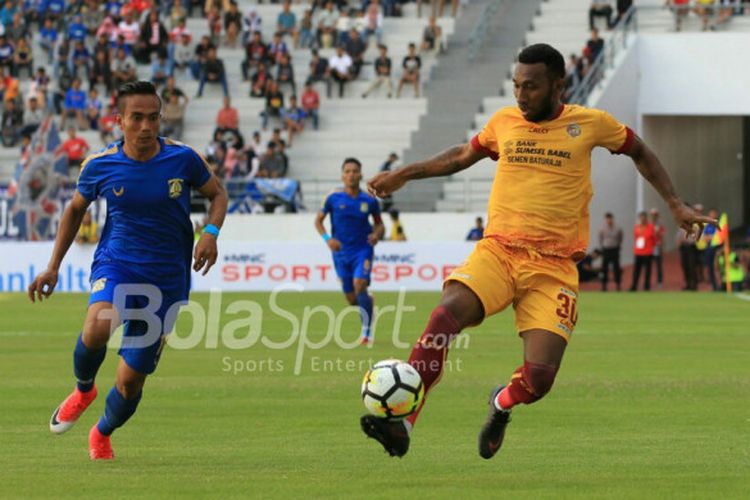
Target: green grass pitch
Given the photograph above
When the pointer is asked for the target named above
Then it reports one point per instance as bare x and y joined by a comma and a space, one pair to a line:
652, 401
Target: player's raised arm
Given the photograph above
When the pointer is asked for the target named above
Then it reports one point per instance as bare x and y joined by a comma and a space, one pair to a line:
448, 162
651, 169
206, 252
44, 284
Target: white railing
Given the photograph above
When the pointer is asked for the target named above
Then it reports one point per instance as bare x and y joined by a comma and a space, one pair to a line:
605, 60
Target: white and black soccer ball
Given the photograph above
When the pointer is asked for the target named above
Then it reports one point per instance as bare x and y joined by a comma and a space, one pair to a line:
392, 389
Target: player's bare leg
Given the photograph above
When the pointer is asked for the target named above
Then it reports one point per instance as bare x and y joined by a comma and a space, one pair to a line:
122, 402
363, 299
543, 352
87, 358
459, 307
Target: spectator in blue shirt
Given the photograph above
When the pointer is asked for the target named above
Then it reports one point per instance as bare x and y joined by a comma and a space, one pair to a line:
6, 54
93, 109
80, 61
54, 8
113, 8
48, 38
77, 30
75, 105
294, 119
286, 23
161, 69
7, 13
476, 233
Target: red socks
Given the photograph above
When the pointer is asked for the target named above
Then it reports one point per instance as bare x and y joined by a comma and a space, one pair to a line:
429, 354
528, 383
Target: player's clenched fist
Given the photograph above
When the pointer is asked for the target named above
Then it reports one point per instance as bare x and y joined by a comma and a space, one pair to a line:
385, 183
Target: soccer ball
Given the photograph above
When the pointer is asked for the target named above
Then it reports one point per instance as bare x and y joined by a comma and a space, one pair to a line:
392, 389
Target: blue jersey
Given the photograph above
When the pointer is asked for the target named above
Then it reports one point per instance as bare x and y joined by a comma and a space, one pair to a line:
350, 218
148, 206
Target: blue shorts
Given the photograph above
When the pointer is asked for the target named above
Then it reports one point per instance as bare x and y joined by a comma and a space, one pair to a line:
142, 339
353, 264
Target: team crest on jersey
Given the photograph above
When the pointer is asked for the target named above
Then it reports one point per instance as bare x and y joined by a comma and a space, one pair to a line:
574, 130
363, 207
98, 285
508, 145
175, 187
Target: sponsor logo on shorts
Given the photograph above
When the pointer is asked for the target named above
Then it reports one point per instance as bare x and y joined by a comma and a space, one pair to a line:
98, 285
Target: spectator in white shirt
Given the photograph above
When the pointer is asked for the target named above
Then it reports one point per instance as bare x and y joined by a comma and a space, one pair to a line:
129, 29
32, 117
340, 66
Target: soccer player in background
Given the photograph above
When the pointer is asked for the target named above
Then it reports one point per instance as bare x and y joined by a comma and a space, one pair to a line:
352, 238
538, 227
145, 246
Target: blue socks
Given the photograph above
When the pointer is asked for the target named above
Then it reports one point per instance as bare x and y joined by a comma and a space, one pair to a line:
86, 363
364, 301
117, 411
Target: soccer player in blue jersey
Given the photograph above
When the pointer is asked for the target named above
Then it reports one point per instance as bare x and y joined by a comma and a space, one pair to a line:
142, 261
353, 238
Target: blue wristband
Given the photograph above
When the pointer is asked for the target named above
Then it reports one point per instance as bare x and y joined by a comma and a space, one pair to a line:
326, 237
212, 230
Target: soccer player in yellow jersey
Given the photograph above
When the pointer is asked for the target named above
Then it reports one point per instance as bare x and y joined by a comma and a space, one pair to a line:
538, 227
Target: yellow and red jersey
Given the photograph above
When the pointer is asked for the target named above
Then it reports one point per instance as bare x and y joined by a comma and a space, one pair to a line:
542, 187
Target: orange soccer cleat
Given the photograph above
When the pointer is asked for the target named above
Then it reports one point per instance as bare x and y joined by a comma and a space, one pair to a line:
100, 447
66, 415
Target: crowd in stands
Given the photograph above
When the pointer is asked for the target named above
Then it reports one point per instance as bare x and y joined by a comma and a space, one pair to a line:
701, 260
579, 65
91, 47
713, 14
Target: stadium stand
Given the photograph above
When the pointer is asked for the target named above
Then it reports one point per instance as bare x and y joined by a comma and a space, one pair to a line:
564, 25
382, 125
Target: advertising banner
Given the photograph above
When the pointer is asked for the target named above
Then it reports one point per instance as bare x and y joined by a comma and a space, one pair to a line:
255, 266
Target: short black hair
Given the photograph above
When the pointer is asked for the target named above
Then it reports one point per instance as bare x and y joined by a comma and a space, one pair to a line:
135, 88
546, 54
608, 215
352, 160
394, 213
